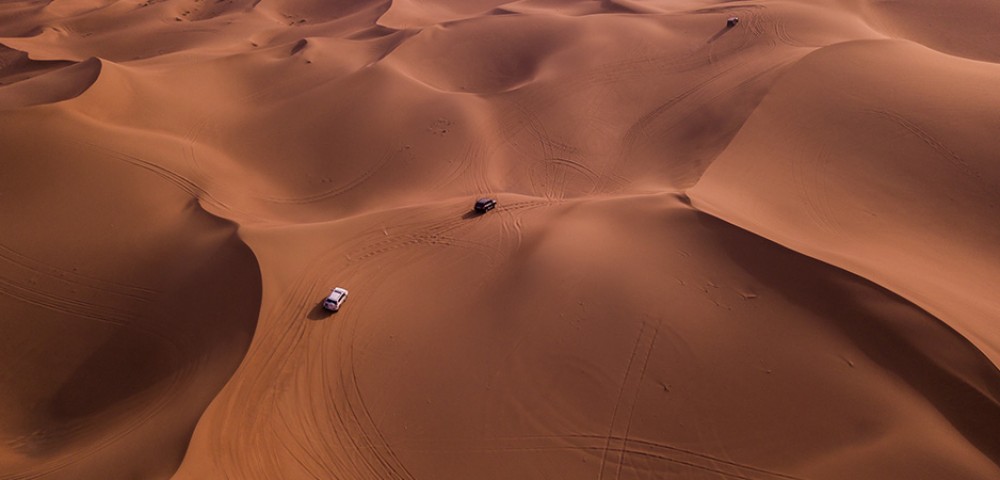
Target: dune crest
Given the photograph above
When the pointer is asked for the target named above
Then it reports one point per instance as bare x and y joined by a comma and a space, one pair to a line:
910, 20
918, 165
27, 82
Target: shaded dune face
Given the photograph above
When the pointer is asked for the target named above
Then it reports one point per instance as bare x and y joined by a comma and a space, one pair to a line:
759, 252
845, 186
27, 82
909, 20
123, 312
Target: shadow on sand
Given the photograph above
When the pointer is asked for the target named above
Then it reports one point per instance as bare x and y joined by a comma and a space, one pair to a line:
319, 313
718, 34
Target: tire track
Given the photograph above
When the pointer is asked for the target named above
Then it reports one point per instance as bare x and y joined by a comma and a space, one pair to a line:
781, 33
639, 129
512, 228
355, 182
630, 388
358, 413
618, 401
808, 178
368, 440
630, 446
470, 155
120, 320
930, 141
282, 329
428, 232
20, 261
68, 306
746, 82
519, 118
557, 174
635, 398
358, 440
133, 422
943, 151
175, 351
378, 445
350, 424
481, 170
339, 433
189, 187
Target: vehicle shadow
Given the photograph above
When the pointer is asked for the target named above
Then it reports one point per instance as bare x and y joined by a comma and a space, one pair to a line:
719, 34
471, 214
319, 313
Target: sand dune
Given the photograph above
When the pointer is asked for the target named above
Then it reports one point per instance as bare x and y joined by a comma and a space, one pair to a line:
38, 82
915, 160
761, 252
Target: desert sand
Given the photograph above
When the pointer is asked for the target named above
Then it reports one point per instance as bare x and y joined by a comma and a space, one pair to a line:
763, 252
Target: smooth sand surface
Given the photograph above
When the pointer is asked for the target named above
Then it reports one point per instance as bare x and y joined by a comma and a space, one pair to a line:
764, 252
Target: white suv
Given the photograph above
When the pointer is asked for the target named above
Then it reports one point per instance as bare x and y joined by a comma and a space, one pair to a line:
335, 300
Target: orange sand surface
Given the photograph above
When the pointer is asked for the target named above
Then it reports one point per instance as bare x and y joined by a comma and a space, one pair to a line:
765, 252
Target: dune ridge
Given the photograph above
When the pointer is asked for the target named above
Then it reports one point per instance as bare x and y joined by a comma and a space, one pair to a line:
38, 83
753, 252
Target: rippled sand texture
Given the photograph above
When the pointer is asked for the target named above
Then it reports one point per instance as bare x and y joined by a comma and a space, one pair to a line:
765, 252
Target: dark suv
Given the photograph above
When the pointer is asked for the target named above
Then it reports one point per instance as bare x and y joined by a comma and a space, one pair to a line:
484, 205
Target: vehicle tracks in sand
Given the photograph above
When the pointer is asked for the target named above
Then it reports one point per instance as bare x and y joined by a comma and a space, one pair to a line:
20, 284
67, 305
284, 328
596, 443
473, 167
183, 183
351, 184
342, 411
131, 423
387, 464
177, 351
628, 391
931, 141
780, 30
982, 186
339, 432
640, 128
346, 399
441, 232
519, 113
34, 267
552, 178
516, 117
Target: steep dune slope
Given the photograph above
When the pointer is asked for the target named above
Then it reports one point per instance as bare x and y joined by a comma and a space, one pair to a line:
964, 28
628, 336
880, 171
27, 82
125, 305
